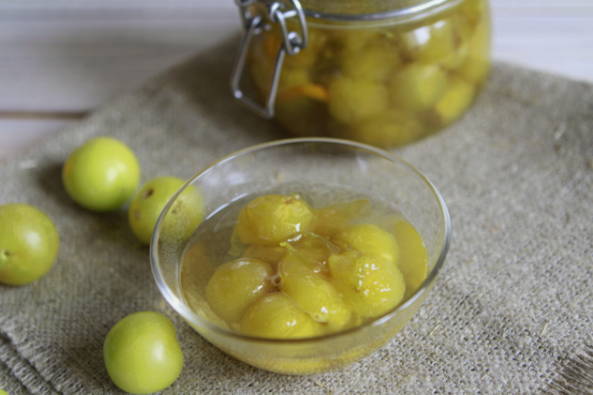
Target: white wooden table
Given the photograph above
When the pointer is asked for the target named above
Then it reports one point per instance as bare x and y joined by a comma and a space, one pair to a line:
62, 58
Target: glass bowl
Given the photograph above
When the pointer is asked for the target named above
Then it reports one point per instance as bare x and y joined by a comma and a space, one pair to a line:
294, 163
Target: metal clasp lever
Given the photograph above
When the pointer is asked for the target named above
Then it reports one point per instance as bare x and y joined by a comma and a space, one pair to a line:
292, 43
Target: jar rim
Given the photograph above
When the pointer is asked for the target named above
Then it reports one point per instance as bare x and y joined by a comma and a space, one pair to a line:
392, 9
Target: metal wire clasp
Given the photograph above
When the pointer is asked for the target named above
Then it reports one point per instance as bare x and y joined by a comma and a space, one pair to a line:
255, 21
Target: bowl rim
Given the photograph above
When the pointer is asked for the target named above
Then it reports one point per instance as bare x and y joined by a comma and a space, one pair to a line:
198, 322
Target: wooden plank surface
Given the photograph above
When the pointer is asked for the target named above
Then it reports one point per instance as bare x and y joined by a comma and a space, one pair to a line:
69, 55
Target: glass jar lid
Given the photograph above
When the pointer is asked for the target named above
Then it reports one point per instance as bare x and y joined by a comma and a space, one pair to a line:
357, 10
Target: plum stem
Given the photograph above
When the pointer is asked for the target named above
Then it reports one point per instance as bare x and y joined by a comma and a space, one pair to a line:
148, 193
4, 256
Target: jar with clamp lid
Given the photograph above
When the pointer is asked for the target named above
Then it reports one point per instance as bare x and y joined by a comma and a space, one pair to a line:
383, 72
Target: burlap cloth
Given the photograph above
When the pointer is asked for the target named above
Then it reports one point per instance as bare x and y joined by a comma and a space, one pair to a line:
513, 304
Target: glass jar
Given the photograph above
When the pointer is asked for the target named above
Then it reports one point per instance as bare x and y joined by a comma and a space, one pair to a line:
383, 72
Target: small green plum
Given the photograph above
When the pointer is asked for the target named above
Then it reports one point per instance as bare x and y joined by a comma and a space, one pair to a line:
429, 44
271, 219
374, 62
477, 63
413, 261
354, 40
313, 251
352, 100
102, 174
183, 218
390, 129
237, 284
369, 240
370, 286
276, 316
312, 293
142, 354
458, 96
417, 87
29, 244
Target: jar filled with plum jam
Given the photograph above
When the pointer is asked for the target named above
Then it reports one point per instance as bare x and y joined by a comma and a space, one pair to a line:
382, 72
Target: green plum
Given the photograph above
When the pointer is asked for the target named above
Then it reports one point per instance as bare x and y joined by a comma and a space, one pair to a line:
29, 244
276, 316
272, 219
390, 129
237, 284
102, 174
376, 62
142, 354
181, 221
312, 293
369, 285
430, 43
352, 100
413, 261
457, 97
417, 86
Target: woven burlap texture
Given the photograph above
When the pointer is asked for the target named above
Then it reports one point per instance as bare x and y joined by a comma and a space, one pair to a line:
513, 301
